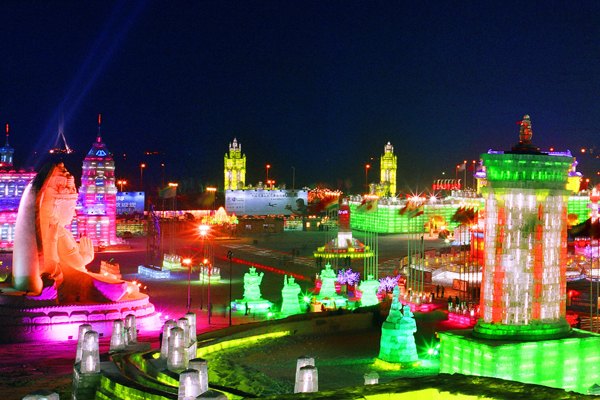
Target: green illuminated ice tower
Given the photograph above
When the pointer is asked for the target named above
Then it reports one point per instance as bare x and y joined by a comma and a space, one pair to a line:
525, 246
289, 294
522, 333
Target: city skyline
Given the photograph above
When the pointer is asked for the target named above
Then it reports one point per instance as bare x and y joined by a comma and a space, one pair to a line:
315, 90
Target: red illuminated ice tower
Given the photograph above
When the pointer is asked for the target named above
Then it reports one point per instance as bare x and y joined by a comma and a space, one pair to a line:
98, 195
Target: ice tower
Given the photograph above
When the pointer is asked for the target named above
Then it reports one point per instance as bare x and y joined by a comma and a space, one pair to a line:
522, 334
524, 277
389, 164
235, 167
98, 195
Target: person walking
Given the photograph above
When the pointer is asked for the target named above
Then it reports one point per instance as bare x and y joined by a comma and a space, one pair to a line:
442, 291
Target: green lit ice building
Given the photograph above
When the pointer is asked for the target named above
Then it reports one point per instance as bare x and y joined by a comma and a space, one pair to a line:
522, 334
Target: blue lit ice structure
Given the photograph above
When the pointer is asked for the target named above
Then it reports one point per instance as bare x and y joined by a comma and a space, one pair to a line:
369, 292
397, 337
328, 296
252, 298
291, 303
154, 272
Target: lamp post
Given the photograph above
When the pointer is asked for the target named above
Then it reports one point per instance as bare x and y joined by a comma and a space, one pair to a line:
188, 263
121, 183
163, 168
142, 166
229, 255
465, 172
203, 232
293, 177
456, 174
268, 166
367, 166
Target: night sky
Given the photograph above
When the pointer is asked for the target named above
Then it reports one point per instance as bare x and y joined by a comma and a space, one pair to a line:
320, 86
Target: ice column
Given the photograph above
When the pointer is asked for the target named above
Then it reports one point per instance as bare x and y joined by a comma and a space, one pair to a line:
42, 394
90, 353
118, 340
371, 378
82, 330
176, 359
131, 329
212, 394
164, 346
201, 366
189, 385
307, 380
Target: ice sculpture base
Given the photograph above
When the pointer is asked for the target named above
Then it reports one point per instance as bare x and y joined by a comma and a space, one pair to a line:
261, 305
568, 363
557, 330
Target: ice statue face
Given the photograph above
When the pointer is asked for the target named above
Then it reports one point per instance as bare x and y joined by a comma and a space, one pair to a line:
65, 211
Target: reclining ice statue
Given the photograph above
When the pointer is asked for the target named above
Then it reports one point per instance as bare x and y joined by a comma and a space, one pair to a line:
47, 260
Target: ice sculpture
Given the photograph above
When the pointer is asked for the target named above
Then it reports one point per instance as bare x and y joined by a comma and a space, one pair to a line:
307, 380
176, 358
369, 291
90, 353
130, 329
189, 385
118, 339
166, 333
371, 378
291, 303
397, 334
83, 328
328, 278
252, 282
523, 290
200, 365
302, 361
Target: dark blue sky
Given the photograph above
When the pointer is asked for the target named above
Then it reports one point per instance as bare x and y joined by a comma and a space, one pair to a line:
319, 86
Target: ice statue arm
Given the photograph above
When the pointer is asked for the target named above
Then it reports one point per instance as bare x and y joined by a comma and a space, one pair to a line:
86, 249
72, 254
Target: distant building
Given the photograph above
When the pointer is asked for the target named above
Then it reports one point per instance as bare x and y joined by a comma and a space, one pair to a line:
97, 204
12, 185
389, 164
235, 167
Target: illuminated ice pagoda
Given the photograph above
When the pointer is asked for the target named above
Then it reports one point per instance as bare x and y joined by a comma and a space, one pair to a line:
96, 217
522, 334
344, 245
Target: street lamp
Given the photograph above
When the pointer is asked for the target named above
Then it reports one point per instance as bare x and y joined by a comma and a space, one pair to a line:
121, 183
203, 232
367, 166
163, 168
142, 175
293, 177
188, 263
456, 174
229, 255
268, 166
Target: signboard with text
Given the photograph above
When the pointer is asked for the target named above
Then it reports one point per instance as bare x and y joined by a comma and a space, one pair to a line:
130, 203
266, 202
